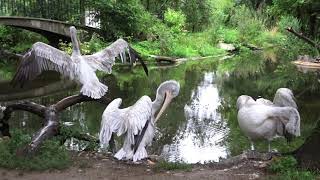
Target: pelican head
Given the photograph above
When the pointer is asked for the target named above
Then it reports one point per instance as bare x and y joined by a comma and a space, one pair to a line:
244, 100
73, 31
284, 97
167, 91
74, 40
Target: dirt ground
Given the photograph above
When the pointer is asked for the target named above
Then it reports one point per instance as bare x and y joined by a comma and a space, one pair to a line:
95, 167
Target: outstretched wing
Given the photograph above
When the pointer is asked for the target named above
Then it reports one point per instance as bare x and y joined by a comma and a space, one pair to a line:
42, 57
104, 60
112, 117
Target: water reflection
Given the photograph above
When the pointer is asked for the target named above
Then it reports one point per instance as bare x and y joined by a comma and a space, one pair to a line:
201, 123
205, 128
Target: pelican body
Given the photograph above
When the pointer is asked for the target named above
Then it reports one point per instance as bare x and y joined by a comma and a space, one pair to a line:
137, 122
263, 119
80, 68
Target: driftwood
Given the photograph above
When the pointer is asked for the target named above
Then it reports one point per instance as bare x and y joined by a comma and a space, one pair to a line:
175, 60
304, 38
49, 114
164, 58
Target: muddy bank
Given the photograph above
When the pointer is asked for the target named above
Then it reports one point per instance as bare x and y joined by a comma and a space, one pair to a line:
94, 167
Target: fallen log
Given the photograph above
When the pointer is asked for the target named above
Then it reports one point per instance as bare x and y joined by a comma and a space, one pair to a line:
164, 58
50, 116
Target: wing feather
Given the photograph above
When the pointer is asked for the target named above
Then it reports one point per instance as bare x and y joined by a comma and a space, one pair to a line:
42, 57
105, 59
112, 117
136, 118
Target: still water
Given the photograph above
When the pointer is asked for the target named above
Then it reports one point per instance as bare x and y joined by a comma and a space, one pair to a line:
200, 124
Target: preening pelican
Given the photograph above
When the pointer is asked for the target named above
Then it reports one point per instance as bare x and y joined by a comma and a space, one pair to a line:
137, 121
263, 119
42, 57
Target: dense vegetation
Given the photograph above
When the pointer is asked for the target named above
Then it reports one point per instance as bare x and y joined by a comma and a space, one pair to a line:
189, 28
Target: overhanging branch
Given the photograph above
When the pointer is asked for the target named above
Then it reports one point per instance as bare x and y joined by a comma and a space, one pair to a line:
51, 121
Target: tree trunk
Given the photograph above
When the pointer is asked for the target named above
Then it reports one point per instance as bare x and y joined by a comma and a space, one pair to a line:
51, 121
308, 155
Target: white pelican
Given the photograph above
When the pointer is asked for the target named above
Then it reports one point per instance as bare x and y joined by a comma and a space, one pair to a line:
42, 57
137, 121
263, 119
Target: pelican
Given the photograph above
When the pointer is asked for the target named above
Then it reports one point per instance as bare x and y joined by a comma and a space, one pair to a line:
263, 119
42, 57
137, 121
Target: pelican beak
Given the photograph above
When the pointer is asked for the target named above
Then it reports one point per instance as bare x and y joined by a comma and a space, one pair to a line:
167, 101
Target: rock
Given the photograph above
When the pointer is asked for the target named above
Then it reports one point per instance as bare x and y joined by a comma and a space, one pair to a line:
227, 47
150, 162
155, 158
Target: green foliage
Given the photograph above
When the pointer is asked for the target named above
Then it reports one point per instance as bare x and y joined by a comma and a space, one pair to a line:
288, 21
283, 164
17, 40
51, 154
120, 18
197, 14
6, 70
175, 20
170, 166
286, 168
248, 25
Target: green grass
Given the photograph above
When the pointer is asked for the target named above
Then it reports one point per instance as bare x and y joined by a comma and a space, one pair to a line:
286, 169
51, 154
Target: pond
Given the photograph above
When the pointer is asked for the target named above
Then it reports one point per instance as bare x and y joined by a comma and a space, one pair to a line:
200, 124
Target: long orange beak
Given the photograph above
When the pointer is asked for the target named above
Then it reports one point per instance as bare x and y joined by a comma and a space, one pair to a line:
164, 106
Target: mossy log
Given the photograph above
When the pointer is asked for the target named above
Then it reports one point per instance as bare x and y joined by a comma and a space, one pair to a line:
49, 114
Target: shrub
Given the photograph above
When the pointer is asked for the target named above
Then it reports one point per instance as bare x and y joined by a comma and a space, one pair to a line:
286, 168
51, 154
175, 20
288, 21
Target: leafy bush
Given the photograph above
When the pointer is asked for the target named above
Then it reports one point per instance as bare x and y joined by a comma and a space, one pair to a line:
175, 20
17, 40
286, 167
51, 154
288, 21
248, 25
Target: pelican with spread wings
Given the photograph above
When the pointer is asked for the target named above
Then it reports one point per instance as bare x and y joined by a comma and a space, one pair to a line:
136, 121
81, 68
263, 119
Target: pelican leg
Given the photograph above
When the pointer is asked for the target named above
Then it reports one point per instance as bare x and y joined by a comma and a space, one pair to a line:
269, 146
112, 144
252, 146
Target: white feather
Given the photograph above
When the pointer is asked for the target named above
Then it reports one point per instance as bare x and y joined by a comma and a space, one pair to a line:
263, 119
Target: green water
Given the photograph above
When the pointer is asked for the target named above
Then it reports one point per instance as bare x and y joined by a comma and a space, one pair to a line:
200, 124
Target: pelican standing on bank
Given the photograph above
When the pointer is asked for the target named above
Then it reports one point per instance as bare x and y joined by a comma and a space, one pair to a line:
263, 119
137, 121
42, 57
